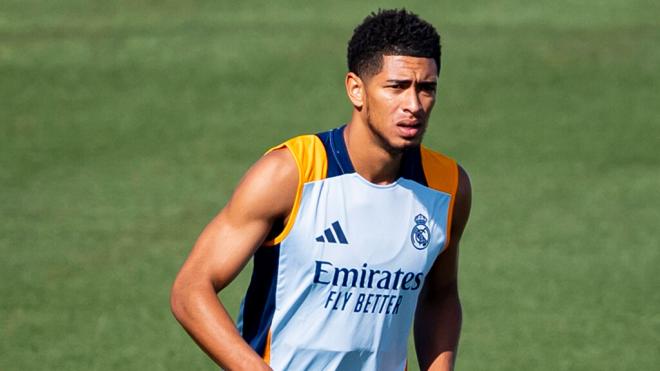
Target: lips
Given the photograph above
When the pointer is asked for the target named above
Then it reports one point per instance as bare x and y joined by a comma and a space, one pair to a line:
409, 129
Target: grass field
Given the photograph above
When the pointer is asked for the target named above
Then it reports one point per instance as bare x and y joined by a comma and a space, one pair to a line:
124, 126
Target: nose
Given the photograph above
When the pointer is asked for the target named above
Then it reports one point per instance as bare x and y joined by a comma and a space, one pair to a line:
412, 102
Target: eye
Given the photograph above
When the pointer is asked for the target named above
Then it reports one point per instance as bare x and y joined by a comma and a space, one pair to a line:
427, 88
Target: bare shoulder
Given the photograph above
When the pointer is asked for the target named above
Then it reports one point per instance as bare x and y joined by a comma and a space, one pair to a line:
463, 203
268, 187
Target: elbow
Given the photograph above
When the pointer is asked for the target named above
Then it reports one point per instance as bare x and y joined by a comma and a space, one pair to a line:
188, 296
178, 300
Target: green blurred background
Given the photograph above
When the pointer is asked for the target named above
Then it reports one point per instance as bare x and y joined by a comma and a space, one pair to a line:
124, 126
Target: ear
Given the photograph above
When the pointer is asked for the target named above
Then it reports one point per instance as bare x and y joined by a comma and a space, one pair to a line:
355, 90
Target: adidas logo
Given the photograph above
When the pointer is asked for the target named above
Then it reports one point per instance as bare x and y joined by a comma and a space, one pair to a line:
330, 237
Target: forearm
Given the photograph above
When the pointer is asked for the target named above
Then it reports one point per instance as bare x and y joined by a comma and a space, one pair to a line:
204, 317
437, 329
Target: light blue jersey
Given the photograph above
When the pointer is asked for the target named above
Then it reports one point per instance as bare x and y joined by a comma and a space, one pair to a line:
337, 290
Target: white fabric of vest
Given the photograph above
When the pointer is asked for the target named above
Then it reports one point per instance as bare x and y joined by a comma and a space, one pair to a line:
314, 329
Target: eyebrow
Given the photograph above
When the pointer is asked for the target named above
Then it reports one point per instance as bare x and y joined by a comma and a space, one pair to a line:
428, 84
408, 81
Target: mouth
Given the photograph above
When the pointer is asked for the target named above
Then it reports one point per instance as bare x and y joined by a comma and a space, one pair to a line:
410, 128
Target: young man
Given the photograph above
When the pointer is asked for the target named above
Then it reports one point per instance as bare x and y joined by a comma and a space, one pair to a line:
354, 231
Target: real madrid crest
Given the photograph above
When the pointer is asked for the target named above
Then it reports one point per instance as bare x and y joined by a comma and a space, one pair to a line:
420, 235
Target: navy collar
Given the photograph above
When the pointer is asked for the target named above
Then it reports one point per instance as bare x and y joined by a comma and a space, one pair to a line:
339, 162
339, 151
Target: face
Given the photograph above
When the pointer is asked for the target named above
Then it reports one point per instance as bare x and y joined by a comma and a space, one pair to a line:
399, 99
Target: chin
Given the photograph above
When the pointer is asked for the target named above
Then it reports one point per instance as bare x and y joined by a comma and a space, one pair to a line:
412, 141
405, 143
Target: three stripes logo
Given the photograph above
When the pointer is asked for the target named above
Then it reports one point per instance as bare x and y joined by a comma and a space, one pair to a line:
330, 237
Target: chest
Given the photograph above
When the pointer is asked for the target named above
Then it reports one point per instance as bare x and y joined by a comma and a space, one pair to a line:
350, 223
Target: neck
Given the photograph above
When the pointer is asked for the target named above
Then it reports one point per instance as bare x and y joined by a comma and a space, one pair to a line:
370, 157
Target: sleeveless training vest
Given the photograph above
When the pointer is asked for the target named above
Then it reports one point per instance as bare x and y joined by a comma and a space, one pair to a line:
338, 287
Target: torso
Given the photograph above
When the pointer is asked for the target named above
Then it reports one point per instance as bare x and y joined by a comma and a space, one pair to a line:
338, 288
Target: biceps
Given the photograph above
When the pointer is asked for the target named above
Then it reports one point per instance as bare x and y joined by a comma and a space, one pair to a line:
225, 246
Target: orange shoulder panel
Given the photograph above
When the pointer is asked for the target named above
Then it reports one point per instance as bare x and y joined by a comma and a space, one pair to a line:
309, 153
441, 174
441, 171
266, 356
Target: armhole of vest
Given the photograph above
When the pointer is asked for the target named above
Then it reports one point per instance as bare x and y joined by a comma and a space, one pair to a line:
309, 154
441, 174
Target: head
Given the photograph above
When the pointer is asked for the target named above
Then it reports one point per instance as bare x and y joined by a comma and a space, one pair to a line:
394, 63
391, 32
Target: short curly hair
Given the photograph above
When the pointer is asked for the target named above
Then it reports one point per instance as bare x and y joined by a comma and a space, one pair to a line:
391, 32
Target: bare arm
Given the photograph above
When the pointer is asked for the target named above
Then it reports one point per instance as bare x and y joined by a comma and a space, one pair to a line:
265, 194
439, 315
